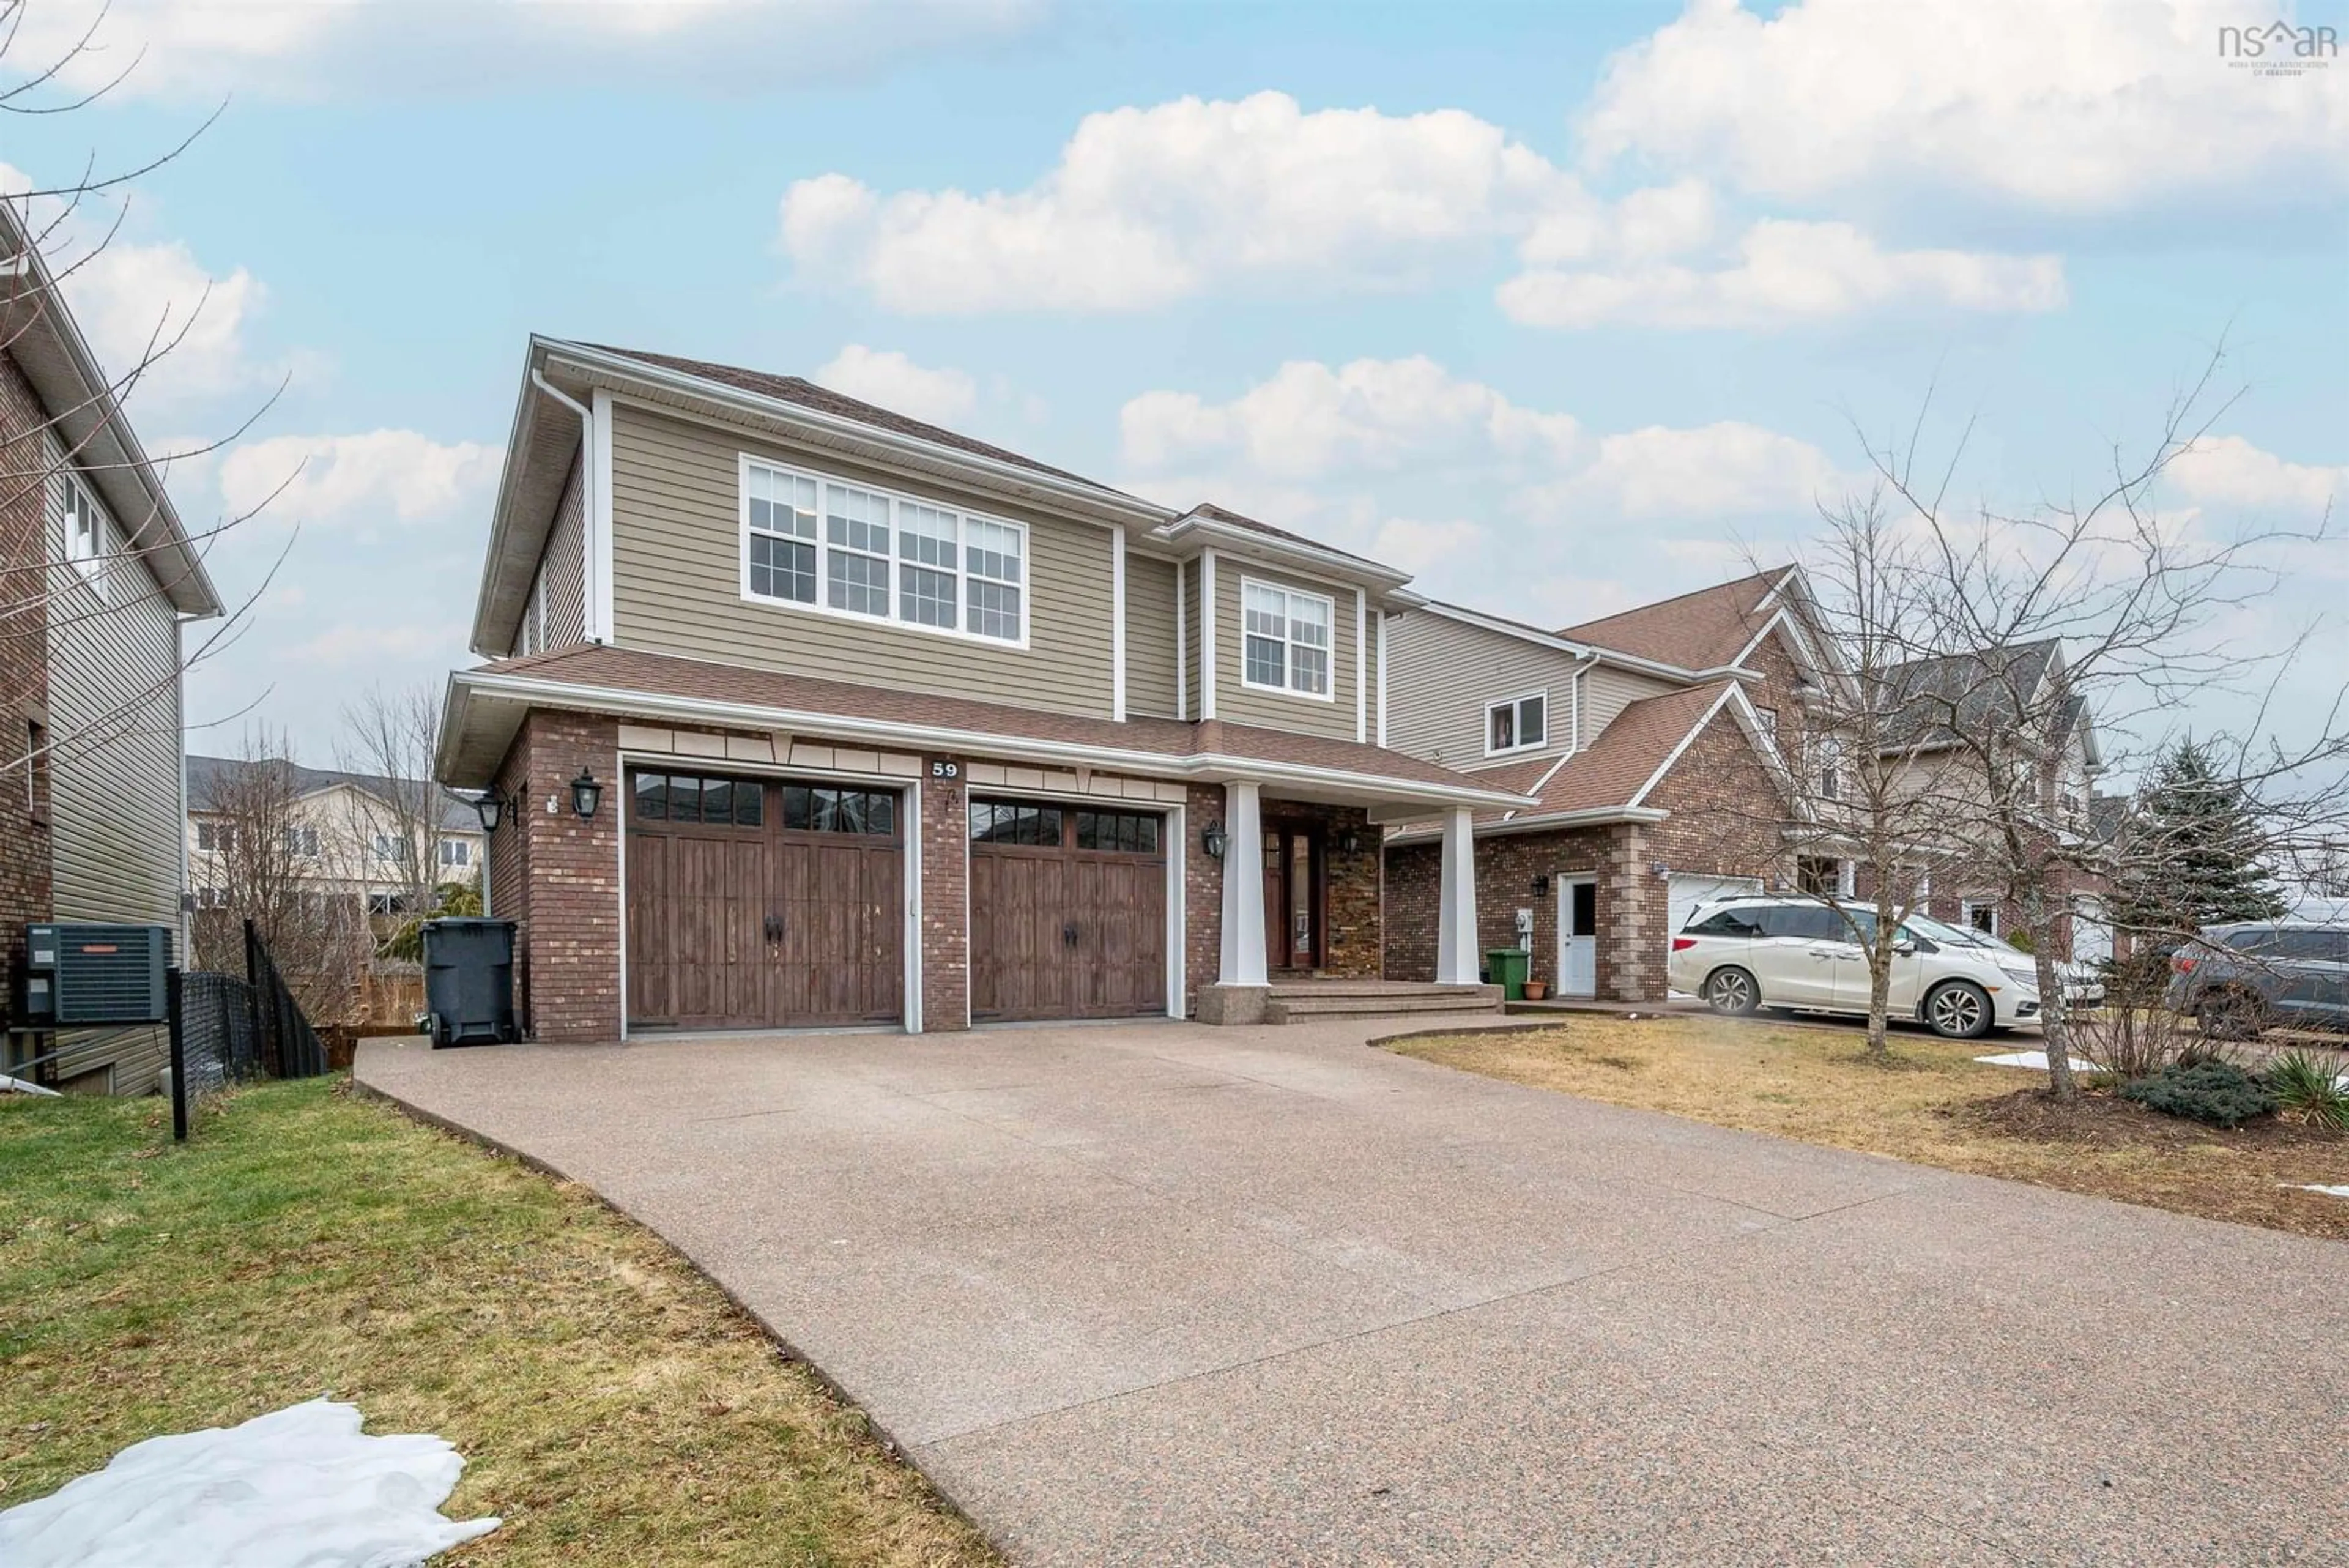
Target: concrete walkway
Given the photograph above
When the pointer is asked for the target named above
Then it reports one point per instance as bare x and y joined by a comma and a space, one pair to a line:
1159, 1293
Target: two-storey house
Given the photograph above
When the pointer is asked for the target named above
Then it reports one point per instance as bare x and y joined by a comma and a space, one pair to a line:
364, 837
1648, 742
799, 712
97, 576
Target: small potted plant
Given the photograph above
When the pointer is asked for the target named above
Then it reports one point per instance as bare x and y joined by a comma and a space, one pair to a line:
1535, 989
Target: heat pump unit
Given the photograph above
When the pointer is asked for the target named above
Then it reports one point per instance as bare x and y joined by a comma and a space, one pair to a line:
76, 975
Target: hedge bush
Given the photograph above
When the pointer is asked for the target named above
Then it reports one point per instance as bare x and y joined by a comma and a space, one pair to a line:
2218, 1093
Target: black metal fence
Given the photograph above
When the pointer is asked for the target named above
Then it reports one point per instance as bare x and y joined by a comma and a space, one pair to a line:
229, 1031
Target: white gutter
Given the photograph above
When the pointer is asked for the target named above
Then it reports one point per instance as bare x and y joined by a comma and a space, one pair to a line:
1246, 539
1589, 817
897, 735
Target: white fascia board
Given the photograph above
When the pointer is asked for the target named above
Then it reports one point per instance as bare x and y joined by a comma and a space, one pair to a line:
1593, 816
1123, 508
1685, 742
1250, 542
1209, 765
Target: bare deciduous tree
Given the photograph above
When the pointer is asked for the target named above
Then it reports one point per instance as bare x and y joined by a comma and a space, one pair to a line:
391, 736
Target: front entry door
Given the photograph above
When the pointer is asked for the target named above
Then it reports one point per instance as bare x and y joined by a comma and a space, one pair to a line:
1578, 936
1295, 877
753, 904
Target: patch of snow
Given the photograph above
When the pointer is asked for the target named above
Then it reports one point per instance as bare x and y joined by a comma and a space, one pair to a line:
2328, 1191
2036, 1061
301, 1486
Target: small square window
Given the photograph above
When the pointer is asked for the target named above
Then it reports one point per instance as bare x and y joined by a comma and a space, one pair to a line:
1518, 724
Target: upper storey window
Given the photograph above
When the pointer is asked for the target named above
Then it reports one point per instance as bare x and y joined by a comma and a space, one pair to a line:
876, 555
1287, 643
1518, 724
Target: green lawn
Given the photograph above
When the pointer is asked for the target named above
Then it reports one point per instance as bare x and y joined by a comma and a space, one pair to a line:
610, 1403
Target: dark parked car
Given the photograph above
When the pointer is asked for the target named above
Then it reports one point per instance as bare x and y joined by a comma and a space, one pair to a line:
2241, 979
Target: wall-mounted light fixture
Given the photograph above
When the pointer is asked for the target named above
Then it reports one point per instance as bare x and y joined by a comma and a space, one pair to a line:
492, 807
1541, 883
1350, 842
1212, 840
586, 794
1660, 868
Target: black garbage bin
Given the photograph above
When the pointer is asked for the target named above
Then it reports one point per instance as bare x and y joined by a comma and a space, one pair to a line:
469, 981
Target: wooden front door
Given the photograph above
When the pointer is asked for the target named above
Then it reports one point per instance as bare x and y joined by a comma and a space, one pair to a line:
753, 904
1295, 873
1068, 912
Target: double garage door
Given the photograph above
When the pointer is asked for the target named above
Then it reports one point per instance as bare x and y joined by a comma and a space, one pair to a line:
764, 904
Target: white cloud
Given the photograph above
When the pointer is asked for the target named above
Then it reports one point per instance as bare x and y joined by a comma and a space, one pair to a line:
1311, 420
892, 380
2090, 104
2229, 471
316, 50
386, 475
1724, 470
1416, 547
1149, 206
1786, 273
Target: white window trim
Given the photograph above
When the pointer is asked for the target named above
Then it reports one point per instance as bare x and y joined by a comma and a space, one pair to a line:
1330, 649
90, 562
1512, 702
893, 620
1966, 908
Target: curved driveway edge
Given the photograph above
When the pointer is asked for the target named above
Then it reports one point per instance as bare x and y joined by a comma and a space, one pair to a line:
1160, 1294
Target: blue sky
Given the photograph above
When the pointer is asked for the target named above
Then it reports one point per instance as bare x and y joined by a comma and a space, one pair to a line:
1564, 307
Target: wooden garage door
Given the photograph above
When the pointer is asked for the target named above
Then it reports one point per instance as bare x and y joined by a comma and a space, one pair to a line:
753, 904
1068, 912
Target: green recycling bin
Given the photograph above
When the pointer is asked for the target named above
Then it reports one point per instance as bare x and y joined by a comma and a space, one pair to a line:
1507, 968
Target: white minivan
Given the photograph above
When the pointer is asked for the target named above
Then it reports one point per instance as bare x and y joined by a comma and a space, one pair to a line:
1742, 954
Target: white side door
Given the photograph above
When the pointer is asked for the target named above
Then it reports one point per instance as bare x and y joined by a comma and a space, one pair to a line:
2092, 934
1578, 936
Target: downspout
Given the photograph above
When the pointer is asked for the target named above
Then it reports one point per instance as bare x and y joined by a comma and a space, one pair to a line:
587, 498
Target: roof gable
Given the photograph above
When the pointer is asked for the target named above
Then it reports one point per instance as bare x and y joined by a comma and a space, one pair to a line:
1706, 629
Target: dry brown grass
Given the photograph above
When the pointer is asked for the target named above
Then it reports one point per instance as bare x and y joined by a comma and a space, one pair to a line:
611, 1403
1932, 1104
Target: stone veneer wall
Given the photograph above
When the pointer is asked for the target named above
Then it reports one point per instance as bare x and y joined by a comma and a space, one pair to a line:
1352, 948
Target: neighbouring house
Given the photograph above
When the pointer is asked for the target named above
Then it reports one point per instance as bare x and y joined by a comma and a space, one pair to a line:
2022, 691
97, 576
1646, 742
800, 712
355, 834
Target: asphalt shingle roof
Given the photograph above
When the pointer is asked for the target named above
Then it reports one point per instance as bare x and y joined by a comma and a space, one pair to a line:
210, 777
1706, 629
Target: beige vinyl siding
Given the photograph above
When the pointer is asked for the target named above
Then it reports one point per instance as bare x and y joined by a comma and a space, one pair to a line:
677, 580
1149, 637
1191, 652
1607, 692
1447, 674
1244, 704
558, 593
114, 777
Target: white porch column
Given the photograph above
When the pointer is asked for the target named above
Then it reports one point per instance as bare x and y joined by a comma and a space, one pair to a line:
1456, 960
1243, 957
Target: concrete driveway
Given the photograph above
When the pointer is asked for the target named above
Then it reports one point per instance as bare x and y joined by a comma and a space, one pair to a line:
1160, 1294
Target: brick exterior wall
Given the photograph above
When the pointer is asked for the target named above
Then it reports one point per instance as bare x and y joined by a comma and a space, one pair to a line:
1351, 948
559, 877
945, 903
1722, 824
1203, 897
25, 853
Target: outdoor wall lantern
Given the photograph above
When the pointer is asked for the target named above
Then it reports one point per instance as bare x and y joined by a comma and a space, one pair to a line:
1350, 842
1211, 839
492, 807
586, 795
1541, 883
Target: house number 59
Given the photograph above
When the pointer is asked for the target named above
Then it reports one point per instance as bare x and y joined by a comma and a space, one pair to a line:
945, 770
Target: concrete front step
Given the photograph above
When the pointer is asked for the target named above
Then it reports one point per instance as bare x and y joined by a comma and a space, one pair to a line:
1289, 1003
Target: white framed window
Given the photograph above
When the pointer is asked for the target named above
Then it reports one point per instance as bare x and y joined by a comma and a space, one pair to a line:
84, 529
1518, 724
302, 843
852, 550
1285, 640
1829, 759
456, 852
217, 837
393, 849
1981, 915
